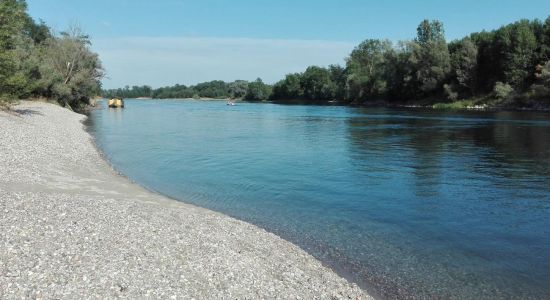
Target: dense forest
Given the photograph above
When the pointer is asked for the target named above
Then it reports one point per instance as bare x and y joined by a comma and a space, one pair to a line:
37, 63
506, 66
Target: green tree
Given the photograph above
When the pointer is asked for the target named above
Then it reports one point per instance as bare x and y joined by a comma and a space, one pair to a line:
12, 21
70, 71
289, 88
316, 84
212, 89
338, 76
401, 78
237, 88
430, 57
519, 44
367, 70
257, 91
464, 64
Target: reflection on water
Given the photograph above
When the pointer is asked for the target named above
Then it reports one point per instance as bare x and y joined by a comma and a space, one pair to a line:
478, 191
411, 203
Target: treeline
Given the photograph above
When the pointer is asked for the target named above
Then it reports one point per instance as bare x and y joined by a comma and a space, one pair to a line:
239, 89
509, 64
37, 63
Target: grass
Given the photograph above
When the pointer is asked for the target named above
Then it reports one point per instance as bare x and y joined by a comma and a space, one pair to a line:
462, 104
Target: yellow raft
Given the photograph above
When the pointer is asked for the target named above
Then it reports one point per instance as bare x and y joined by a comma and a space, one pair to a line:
116, 103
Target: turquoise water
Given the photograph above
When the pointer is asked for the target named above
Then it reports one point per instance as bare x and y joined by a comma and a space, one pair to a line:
410, 203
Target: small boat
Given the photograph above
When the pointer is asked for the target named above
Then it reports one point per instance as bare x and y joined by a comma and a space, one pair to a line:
230, 103
116, 103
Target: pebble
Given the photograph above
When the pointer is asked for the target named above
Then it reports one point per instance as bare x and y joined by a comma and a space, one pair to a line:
72, 228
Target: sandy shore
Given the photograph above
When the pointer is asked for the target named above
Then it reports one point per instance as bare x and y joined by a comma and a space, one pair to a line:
72, 228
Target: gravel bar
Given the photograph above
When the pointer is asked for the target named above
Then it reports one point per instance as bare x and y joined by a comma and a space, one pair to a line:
72, 228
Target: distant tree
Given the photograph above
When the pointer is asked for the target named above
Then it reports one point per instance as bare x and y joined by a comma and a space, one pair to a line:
430, 57
317, 84
464, 64
237, 88
289, 88
401, 80
338, 76
519, 44
367, 70
430, 31
257, 91
212, 89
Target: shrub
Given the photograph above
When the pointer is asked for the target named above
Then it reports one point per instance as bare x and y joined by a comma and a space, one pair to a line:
502, 91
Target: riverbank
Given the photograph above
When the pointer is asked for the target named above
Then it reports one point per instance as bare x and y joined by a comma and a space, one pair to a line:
73, 228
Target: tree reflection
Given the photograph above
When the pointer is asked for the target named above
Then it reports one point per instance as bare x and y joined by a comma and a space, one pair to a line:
502, 144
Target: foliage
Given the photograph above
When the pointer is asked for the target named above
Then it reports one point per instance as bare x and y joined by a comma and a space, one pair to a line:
257, 91
519, 44
464, 64
71, 72
367, 70
35, 63
212, 89
430, 57
237, 88
316, 84
429, 31
289, 88
338, 76
462, 104
430, 68
502, 91
12, 18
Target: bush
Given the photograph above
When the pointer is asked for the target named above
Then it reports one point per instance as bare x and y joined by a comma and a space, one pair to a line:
502, 91
464, 104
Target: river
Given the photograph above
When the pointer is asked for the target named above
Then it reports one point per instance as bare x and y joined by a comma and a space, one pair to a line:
410, 203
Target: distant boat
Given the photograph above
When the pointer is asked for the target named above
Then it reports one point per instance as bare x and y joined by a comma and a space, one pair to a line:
230, 103
116, 103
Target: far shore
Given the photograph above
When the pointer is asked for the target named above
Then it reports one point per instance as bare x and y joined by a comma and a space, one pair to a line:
73, 228
463, 105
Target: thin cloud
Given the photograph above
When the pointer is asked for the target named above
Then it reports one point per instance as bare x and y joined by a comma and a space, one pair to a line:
188, 60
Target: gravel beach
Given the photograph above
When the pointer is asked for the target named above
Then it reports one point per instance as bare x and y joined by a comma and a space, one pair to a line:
72, 228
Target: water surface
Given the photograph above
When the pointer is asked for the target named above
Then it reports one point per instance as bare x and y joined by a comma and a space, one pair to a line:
412, 203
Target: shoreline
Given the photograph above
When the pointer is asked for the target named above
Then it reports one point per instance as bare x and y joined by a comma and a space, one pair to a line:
438, 106
91, 231
341, 268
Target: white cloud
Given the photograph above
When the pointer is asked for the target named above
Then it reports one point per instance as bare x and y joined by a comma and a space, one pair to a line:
189, 60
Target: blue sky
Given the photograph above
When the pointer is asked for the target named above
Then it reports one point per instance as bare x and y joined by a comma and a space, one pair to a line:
164, 42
